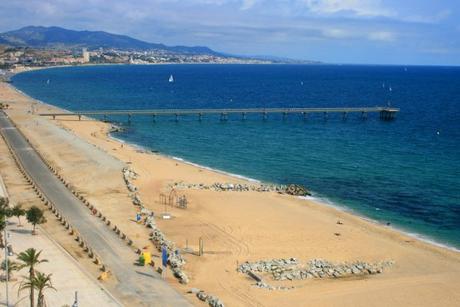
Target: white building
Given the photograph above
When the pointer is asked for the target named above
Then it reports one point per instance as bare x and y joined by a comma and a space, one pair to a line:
85, 55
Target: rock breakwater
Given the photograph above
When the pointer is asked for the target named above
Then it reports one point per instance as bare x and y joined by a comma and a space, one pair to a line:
291, 189
292, 269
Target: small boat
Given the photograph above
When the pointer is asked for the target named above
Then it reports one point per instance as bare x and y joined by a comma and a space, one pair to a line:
171, 79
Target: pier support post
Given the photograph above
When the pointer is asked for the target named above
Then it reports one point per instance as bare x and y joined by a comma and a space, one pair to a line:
223, 116
243, 116
386, 115
284, 115
105, 118
177, 117
264, 114
364, 115
79, 117
344, 115
305, 115
200, 116
326, 115
129, 118
153, 117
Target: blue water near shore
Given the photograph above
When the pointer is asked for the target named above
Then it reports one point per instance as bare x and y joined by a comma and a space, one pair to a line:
405, 171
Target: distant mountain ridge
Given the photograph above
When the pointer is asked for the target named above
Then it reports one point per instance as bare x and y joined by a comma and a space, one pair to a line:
57, 37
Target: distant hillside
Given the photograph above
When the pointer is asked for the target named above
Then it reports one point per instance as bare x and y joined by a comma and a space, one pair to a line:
56, 37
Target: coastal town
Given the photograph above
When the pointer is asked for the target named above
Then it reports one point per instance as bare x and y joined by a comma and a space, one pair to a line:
25, 57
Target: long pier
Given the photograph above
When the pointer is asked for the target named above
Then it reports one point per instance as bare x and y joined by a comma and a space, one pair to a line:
386, 113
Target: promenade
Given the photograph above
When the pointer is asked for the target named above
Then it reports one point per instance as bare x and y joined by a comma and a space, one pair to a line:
141, 284
67, 277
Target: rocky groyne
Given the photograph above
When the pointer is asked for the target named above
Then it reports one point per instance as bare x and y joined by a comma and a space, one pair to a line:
292, 269
291, 189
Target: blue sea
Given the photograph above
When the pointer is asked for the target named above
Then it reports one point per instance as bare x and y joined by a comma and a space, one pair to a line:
405, 172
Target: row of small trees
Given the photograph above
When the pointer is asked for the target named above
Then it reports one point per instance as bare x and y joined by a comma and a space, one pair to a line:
30, 258
34, 215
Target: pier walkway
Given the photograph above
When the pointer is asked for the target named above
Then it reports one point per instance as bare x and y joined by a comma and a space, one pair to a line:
386, 113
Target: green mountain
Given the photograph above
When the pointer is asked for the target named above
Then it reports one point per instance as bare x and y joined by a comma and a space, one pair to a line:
56, 37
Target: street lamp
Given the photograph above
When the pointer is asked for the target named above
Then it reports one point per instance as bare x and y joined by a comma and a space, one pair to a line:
75, 303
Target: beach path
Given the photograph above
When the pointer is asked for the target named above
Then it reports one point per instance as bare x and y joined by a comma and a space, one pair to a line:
140, 284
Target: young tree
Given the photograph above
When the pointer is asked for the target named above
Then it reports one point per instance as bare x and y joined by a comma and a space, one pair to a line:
31, 258
5, 213
35, 216
17, 211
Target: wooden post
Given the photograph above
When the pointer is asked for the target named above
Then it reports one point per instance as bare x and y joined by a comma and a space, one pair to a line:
201, 247
243, 116
153, 117
177, 117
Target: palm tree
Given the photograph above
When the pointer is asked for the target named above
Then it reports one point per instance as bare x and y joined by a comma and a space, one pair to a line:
31, 258
12, 266
40, 282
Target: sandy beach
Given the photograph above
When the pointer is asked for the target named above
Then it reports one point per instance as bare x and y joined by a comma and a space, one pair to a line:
239, 226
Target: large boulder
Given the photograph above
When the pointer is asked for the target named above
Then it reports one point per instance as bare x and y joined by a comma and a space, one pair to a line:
297, 190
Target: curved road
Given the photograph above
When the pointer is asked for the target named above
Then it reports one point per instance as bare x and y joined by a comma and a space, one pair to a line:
139, 285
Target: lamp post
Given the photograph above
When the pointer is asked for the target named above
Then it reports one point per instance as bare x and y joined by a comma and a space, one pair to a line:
6, 262
75, 303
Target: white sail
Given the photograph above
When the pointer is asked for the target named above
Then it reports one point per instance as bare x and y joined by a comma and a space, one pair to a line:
171, 78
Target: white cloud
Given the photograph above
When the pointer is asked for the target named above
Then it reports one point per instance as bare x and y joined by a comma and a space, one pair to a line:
247, 4
384, 36
364, 8
337, 33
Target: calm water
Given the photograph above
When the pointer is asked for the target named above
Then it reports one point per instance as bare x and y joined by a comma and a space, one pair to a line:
405, 171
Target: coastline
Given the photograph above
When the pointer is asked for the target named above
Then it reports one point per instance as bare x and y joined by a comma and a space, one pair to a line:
321, 200
373, 227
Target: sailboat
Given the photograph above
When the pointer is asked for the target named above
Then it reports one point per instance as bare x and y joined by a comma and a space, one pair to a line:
171, 79
48, 81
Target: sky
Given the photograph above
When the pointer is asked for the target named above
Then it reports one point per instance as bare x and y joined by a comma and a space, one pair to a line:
408, 32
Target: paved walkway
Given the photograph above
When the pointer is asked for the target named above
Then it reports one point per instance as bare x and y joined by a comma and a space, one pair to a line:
67, 277
139, 284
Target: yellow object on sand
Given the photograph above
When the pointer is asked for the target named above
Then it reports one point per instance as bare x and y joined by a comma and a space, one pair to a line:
103, 276
147, 257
